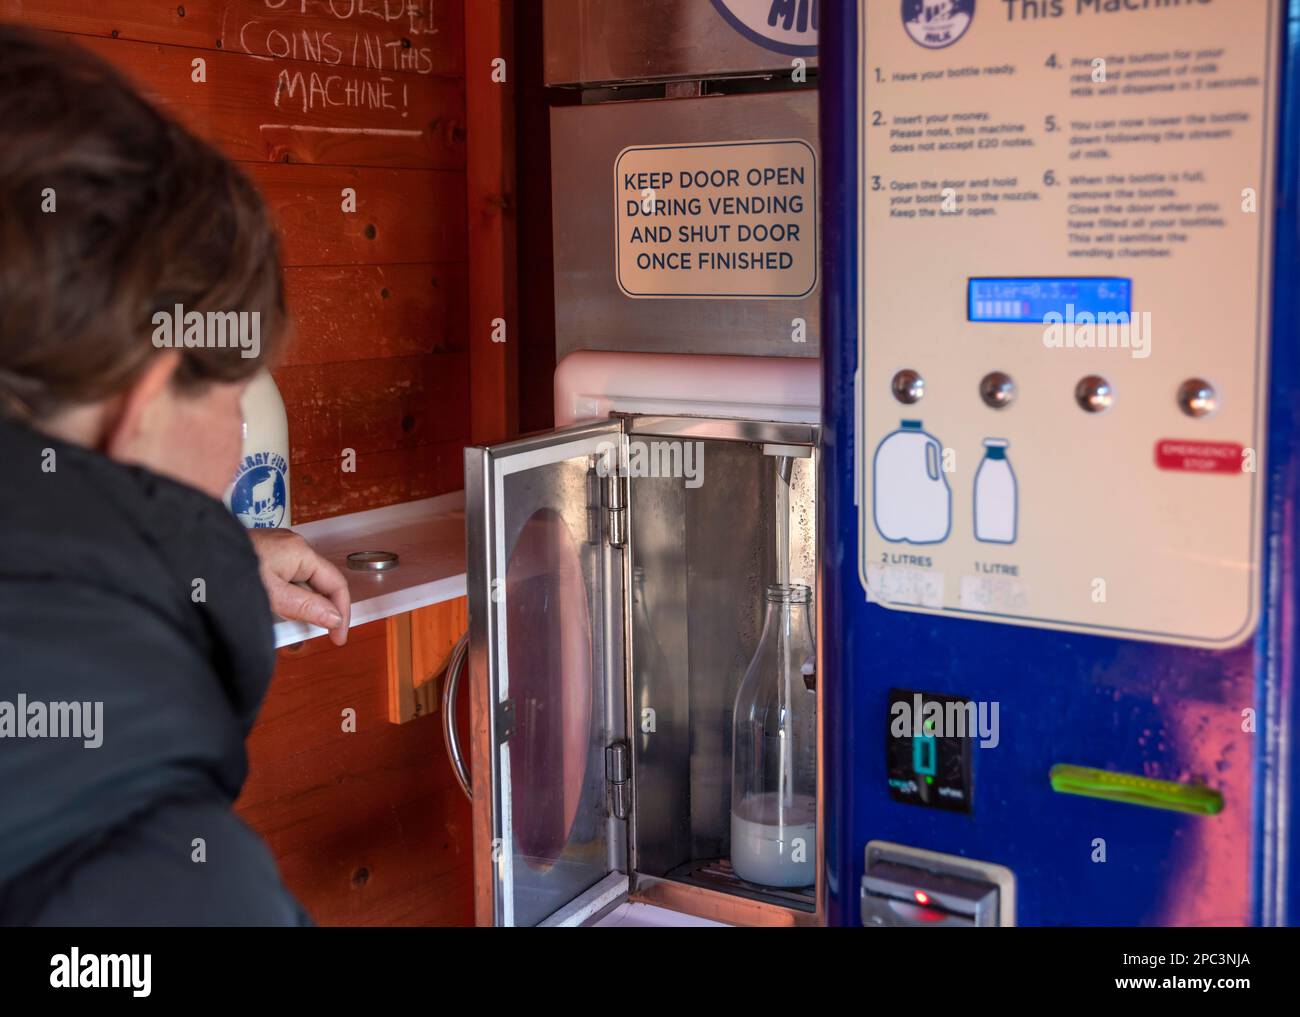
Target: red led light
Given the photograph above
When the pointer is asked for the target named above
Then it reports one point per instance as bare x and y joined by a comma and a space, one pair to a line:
921, 897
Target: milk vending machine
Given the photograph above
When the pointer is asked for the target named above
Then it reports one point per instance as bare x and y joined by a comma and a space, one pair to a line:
642, 658
981, 482
1058, 461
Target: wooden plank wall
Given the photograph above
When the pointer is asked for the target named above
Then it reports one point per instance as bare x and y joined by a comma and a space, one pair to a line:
536, 289
496, 330
368, 827
312, 96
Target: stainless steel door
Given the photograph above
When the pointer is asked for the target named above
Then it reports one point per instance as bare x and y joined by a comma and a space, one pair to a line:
545, 593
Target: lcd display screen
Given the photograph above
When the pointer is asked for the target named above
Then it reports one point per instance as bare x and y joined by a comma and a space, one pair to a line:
1030, 299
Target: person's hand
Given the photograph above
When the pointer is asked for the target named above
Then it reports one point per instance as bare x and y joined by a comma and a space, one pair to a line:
286, 559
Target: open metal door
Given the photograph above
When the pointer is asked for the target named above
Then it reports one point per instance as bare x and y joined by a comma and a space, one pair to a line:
546, 592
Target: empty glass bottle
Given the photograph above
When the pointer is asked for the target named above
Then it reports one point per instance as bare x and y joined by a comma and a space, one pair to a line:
774, 750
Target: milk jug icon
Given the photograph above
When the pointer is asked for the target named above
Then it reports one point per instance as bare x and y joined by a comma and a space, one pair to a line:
911, 499
995, 495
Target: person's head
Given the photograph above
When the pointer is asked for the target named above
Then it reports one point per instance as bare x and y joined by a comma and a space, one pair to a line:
113, 219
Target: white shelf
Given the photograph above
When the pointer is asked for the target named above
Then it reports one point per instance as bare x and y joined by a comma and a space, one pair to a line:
429, 538
635, 915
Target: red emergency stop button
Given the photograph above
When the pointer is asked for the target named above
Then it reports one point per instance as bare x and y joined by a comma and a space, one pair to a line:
1199, 456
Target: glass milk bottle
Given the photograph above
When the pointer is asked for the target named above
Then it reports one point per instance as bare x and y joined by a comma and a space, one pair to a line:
774, 750
259, 493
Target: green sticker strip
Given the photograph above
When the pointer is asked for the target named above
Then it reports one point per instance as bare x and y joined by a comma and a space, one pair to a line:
1127, 787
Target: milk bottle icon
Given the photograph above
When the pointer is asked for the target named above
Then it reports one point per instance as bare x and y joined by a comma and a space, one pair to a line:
911, 499
995, 495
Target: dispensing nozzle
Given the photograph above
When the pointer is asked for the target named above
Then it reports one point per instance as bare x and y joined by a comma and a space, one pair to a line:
784, 468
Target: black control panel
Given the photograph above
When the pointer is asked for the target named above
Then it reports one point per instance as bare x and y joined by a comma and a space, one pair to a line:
929, 740
906, 886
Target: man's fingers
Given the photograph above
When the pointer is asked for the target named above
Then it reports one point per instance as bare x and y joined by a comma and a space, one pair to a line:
297, 604
320, 574
303, 585
329, 581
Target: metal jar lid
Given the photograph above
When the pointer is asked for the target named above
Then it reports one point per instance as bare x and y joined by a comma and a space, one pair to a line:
372, 561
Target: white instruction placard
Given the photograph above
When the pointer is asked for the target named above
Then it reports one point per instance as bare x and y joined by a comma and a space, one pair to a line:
1065, 259
717, 220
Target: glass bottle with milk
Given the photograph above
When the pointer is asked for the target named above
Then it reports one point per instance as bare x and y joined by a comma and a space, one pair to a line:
774, 750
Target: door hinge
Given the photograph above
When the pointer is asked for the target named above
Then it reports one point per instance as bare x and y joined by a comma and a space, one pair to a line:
618, 775
505, 720
613, 497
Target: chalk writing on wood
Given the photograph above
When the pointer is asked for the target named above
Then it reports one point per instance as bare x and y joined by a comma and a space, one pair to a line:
364, 49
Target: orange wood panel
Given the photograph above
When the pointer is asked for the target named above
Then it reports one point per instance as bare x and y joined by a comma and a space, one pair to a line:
401, 216
420, 645
367, 827
149, 20
415, 36
374, 311
296, 111
490, 175
374, 405
321, 489
536, 295
434, 632
423, 36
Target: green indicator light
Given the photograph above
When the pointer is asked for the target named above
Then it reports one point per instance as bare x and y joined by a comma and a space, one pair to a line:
929, 780
1128, 787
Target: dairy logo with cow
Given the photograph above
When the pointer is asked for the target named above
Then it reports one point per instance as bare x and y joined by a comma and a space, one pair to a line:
785, 26
936, 24
258, 498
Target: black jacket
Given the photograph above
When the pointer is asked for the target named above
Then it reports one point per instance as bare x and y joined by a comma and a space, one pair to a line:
99, 604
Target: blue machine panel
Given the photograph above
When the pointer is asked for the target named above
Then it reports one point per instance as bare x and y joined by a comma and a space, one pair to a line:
1184, 715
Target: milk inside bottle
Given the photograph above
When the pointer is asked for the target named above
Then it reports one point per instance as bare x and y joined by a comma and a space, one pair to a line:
774, 844
774, 750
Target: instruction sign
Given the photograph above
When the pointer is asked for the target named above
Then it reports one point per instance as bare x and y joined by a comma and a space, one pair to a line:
1065, 224
717, 220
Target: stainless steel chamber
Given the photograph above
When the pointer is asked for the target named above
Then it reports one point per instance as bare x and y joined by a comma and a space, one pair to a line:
616, 581
617, 568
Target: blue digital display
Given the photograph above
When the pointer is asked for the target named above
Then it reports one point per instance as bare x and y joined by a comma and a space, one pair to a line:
1031, 299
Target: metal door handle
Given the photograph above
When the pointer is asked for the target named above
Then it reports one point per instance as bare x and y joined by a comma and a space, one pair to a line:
450, 683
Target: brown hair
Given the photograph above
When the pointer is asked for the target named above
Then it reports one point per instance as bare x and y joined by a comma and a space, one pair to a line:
146, 216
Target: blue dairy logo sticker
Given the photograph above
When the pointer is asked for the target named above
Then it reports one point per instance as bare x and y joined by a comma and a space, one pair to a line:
936, 24
258, 498
785, 26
